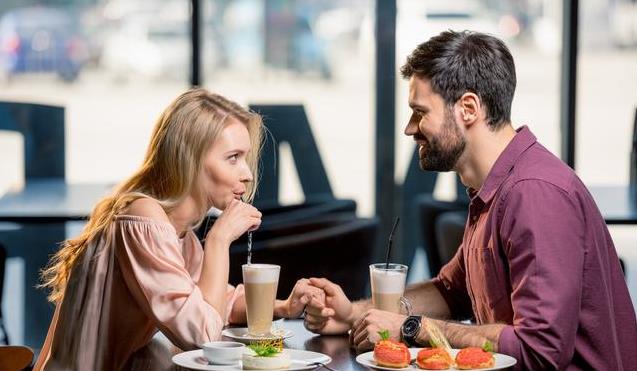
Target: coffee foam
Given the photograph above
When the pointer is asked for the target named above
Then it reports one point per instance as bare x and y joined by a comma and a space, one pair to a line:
260, 273
388, 282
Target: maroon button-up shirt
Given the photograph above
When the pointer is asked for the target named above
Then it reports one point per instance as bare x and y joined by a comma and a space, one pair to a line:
536, 255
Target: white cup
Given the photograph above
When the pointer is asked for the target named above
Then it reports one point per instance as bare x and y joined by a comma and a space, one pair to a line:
223, 352
388, 287
260, 282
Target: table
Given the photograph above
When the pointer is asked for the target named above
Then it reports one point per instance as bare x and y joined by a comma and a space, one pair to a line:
157, 355
41, 209
51, 200
615, 204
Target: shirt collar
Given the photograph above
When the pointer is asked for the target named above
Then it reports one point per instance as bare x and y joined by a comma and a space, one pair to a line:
522, 140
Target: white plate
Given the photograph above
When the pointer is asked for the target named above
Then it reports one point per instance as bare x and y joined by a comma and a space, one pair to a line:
367, 359
240, 334
300, 360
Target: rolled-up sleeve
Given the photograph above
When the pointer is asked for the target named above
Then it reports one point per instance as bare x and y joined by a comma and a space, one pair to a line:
154, 270
542, 231
452, 285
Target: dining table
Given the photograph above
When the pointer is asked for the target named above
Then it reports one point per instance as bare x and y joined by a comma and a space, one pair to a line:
159, 353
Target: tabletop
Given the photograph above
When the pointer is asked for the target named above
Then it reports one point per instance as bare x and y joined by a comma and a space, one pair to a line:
51, 200
158, 354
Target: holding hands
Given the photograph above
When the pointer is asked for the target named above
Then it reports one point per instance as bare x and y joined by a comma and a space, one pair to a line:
338, 315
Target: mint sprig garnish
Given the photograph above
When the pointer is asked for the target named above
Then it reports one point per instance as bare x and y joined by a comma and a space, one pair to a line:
384, 334
487, 346
264, 350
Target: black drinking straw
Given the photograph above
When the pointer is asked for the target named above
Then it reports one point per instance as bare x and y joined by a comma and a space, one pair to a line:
391, 238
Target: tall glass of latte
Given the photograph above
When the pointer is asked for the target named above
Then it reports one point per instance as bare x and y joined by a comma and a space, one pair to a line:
260, 281
388, 287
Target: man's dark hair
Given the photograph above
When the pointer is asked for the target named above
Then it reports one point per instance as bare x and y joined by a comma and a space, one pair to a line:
460, 62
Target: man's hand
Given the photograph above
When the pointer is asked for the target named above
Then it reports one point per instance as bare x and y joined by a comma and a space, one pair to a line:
334, 315
301, 295
365, 330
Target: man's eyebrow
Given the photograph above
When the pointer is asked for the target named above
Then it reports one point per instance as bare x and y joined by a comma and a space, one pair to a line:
416, 106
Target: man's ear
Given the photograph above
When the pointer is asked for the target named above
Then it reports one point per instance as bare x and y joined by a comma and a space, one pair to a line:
470, 108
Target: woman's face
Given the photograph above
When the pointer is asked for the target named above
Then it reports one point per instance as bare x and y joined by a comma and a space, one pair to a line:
226, 171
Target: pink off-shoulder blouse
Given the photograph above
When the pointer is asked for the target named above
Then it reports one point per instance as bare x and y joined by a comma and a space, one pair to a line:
125, 288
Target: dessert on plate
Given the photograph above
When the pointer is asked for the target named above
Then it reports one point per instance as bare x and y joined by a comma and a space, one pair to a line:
391, 353
435, 358
474, 357
265, 355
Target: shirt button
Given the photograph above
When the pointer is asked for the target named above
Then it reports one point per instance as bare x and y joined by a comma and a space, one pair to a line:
475, 217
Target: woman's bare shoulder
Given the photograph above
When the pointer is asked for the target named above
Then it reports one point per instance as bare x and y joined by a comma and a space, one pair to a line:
147, 207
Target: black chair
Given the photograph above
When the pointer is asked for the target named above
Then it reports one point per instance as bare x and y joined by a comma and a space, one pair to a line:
278, 215
449, 232
43, 129
338, 249
429, 210
289, 124
633, 163
3, 259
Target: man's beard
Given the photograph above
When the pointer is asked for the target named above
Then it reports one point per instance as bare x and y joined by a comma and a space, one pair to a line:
441, 153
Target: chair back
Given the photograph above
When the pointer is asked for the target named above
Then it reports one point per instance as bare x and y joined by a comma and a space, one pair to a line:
4, 339
340, 251
429, 209
449, 233
275, 216
633, 163
289, 124
43, 129
15, 358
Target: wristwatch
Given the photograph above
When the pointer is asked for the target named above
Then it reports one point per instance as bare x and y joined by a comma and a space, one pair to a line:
410, 329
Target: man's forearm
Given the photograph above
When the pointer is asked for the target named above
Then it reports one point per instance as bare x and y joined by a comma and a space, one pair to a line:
426, 300
461, 336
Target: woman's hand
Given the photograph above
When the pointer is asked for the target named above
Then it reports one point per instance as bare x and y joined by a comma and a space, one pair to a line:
237, 219
301, 295
334, 315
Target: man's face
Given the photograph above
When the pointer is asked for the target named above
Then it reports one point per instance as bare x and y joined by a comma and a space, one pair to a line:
433, 126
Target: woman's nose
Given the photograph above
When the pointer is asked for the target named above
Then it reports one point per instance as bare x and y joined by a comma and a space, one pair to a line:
246, 175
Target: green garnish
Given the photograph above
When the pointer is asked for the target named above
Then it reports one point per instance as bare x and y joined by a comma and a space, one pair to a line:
433, 343
487, 346
384, 335
264, 350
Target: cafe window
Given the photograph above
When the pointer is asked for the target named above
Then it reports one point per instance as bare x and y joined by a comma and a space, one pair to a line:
112, 65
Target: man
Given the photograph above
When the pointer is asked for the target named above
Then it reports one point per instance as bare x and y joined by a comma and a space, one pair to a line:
537, 270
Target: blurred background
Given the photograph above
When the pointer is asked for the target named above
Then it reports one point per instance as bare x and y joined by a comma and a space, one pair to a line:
115, 64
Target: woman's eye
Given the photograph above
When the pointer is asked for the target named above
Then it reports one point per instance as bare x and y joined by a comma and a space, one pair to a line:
233, 158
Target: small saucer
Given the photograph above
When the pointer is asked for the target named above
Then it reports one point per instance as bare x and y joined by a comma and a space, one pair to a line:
241, 335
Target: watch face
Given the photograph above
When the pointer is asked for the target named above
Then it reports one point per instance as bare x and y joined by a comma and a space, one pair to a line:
411, 326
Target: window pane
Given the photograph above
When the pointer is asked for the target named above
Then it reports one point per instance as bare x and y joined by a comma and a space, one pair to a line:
315, 53
114, 66
606, 95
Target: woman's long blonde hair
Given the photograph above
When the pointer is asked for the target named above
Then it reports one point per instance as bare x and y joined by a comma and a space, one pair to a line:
171, 171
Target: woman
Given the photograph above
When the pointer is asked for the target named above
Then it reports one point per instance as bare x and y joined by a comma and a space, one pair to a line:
138, 267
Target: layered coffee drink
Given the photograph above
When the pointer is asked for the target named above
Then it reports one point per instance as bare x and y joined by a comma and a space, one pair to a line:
260, 281
388, 286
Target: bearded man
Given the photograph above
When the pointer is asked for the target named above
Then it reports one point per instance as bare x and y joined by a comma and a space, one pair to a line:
536, 274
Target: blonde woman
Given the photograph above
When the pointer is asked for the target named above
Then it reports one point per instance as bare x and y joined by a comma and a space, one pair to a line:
137, 267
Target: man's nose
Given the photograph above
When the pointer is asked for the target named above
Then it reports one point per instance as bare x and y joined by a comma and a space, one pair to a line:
411, 129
